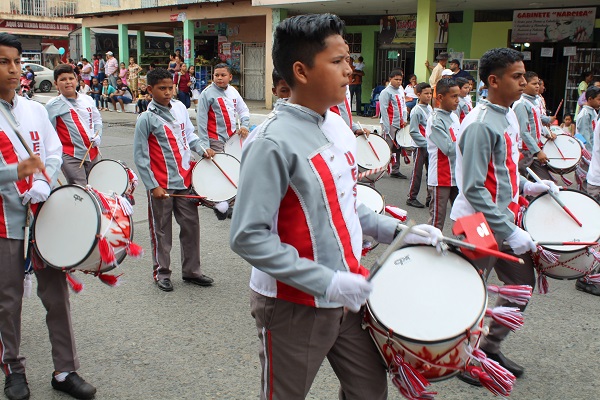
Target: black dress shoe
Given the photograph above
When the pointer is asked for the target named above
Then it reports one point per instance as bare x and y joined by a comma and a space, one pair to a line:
590, 288
220, 216
165, 284
201, 281
75, 386
15, 387
501, 359
415, 203
427, 202
398, 175
467, 378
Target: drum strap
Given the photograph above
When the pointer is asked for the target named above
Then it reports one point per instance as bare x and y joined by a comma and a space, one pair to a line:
87, 117
177, 132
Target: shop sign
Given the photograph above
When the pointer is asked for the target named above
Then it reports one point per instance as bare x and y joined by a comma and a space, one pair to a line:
180, 17
187, 43
563, 25
48, 26
398, 29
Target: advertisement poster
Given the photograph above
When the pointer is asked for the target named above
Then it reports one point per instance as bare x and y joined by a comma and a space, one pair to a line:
398, 29
442, 21
564, 25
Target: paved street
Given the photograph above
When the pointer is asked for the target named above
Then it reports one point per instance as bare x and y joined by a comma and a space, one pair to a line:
137, 342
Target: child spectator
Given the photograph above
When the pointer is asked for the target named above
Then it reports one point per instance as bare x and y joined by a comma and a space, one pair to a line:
280, 87
166, 170
144, 99
442, 129
107, 91
123, 73
568, 126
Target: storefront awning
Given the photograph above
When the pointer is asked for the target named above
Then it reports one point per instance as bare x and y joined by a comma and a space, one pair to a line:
36, 32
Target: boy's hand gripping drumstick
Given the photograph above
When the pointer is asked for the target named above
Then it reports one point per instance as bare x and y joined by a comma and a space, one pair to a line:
88, 150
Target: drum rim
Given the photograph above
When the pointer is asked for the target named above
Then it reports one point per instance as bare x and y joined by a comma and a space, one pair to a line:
96, 239
453, 250
365, 168
378, 192
549, 248
114, 161
562, 171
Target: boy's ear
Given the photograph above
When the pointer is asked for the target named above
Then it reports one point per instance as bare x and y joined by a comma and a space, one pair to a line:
274, 91
299, 70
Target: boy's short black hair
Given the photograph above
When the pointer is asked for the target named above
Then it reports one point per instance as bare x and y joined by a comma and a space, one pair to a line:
462, 82
157, 75
276, 78
529, 75
495, 61
63, 69
223, 65
423, 85
396, 72
301, 38
592, 92
444, 85
8, 40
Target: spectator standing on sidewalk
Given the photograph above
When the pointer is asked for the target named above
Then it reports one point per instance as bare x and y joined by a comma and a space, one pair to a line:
111, 69
101, 68
356, 84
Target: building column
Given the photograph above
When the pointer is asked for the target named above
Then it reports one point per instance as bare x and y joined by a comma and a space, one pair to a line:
86, 42
273, 19
188, 42
141, 45
123, 43
426, 30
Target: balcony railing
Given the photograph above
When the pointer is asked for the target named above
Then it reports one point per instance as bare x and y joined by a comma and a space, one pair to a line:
98, 6
40, 8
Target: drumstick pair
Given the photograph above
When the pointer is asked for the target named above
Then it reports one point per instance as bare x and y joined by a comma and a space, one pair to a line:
555, 197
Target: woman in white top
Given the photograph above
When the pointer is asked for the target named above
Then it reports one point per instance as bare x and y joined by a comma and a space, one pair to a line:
409, 92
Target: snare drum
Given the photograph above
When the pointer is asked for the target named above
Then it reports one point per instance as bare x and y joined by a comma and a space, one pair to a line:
374, 200
403, 137
546, 221
233, 146
431, 330
366, 157
563, 146
209, 181
107, 176
68, 225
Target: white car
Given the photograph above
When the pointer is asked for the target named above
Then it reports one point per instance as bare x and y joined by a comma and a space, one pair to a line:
44, 77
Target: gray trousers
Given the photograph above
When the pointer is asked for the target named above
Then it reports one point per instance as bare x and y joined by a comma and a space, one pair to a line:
295, 339
160, 221
420, 160
54, 293
529, 161
397, 151
440, 196
509, 273
72, 172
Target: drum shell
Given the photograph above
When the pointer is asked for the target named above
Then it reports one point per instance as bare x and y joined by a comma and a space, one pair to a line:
576, 257
445, 356
117, 227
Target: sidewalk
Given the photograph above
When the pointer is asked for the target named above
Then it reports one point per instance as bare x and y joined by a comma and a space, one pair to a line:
258, 113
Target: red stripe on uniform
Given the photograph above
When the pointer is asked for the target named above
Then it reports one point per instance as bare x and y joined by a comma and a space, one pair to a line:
511, 166
336, 212
399, 101
158, 162
65, 137
84, 136
8, 153
226, 117
3, 230
390, 112
292, 227
422, 130
491, 183
186, 175
349, 112
444, 174
211, 125
335, 109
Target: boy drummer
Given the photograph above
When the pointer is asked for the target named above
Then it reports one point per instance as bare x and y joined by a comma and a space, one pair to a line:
21, 183
489, 182
162, 143
78, 123
298, 223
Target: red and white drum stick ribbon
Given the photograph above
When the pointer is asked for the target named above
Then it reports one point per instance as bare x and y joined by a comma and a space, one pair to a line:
518, 294
558, 108
397, 213
555, 197
510, 317
491, 374
372, 171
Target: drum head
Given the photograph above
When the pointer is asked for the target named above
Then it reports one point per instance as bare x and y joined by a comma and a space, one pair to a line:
403, 137
233, 146
563, 145
66, 226
210, 182
365, 156
370, 197
427, 297
546, 221
108, 176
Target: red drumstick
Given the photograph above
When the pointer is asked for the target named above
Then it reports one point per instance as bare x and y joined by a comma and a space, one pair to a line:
558, 148
220, 169
372, 148
555, 197
558, 108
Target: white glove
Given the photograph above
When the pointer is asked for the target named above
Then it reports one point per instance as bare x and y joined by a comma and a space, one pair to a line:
535, 188
521, 242
39, 192
96, 140
349, 289
433, 238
